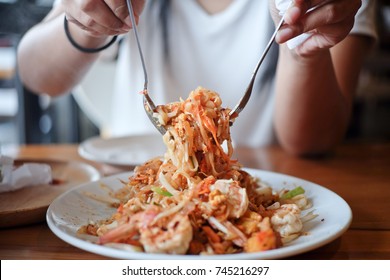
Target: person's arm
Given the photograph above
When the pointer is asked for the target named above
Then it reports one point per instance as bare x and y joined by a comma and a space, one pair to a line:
48, 63
314, 96
315, 86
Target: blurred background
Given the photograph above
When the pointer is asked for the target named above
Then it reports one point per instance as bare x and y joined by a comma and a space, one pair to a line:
31, 118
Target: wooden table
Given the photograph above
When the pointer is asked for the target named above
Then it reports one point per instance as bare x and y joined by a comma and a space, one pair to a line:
358, 172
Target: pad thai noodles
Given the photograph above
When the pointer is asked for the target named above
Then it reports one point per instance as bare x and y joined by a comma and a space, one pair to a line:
196, 199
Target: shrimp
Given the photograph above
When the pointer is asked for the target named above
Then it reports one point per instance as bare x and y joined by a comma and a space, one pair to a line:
124, 231
173, 238
228, 193
286, 220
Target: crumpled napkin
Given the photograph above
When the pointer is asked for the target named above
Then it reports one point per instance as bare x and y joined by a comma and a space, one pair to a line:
28, 174
282, 6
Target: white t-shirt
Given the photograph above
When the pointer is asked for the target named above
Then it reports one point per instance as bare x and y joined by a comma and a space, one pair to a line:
218, 52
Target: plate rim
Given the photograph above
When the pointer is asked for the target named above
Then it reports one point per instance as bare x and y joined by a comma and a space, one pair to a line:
283, 252
83, 152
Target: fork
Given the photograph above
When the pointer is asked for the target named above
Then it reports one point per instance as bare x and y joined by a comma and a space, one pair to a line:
245, 98
148, 103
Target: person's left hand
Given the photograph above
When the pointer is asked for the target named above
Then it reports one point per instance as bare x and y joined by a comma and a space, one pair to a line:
328, 23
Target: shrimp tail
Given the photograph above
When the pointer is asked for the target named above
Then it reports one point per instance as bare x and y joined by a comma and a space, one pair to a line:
117, 234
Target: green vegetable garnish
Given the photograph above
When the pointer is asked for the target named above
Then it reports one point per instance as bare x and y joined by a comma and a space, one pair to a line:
161, 191
293, 192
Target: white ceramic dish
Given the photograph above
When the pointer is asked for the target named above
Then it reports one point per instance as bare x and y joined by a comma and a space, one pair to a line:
73, 209
123, 151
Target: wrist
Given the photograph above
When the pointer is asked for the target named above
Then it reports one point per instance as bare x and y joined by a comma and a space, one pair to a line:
308, 59
84, 42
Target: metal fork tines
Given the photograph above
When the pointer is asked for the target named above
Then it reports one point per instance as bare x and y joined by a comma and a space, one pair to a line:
150, 108
245, 98
149, 105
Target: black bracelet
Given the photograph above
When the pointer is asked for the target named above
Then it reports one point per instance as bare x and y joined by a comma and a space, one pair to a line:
83, 49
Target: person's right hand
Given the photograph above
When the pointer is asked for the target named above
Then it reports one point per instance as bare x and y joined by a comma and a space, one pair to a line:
101, 18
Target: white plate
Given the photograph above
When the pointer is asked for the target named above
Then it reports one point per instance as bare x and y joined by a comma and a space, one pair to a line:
74, 209
124, 151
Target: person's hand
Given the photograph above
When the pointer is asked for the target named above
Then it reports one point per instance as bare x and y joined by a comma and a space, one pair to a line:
101, 18
328, 23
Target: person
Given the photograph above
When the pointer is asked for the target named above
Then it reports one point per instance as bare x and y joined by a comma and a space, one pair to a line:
302, 96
